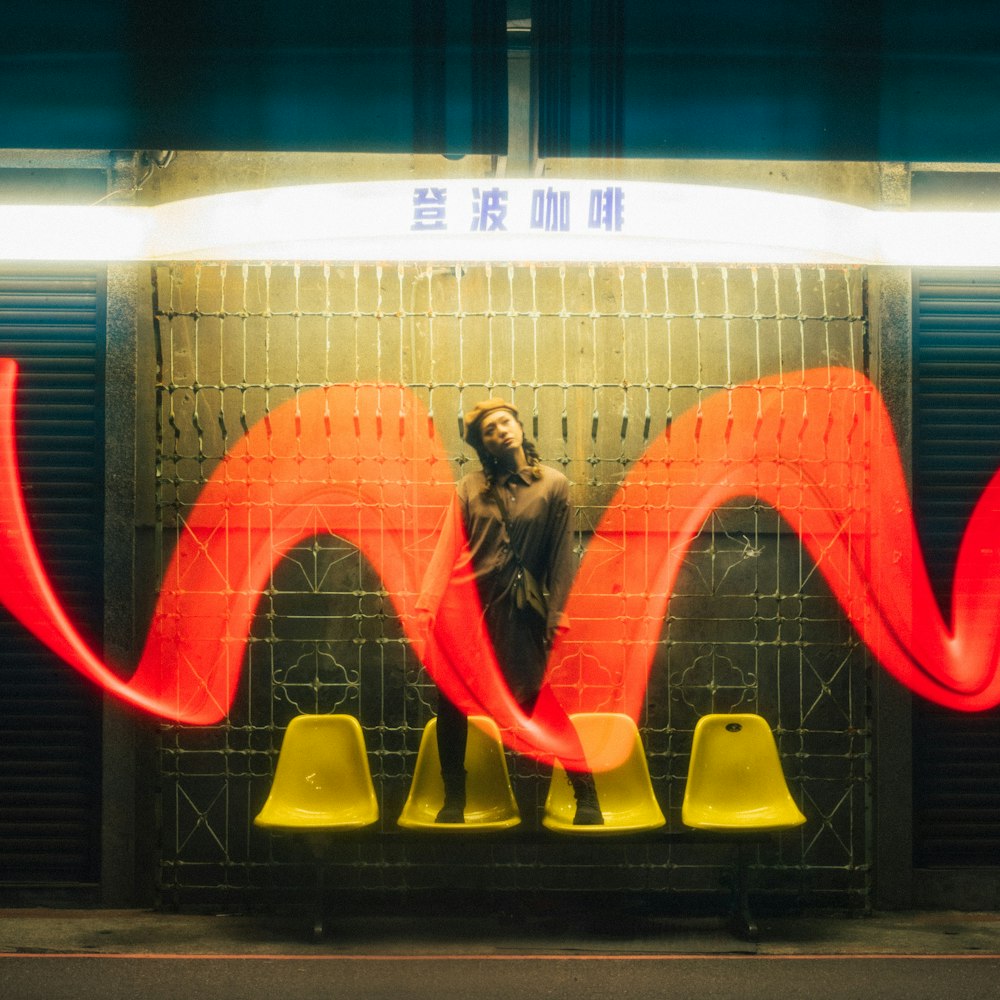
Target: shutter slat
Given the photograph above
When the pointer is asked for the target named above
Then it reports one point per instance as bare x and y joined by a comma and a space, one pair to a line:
956, 426
50, 323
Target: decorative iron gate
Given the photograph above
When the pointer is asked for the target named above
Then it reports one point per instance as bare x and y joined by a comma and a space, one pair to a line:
599, 360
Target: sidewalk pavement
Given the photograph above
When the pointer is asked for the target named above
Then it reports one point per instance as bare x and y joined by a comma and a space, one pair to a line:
144, 932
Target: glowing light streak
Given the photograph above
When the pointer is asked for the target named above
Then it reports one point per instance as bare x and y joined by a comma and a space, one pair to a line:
817, 446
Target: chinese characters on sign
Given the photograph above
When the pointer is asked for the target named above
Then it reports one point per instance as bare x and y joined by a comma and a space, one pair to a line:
429, 208
607, 209
551, 210
489, 209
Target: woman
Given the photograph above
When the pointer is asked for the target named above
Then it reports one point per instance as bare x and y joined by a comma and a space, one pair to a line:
516, 516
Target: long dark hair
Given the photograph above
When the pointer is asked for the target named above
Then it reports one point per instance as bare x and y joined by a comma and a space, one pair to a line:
491, 466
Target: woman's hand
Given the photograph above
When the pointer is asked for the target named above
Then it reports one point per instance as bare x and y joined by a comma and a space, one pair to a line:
552, 633
424, 627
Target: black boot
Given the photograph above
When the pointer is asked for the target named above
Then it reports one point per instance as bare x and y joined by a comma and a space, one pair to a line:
588, 809
453, 810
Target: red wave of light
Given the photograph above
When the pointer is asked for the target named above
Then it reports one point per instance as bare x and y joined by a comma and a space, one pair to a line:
817, 446
363, 462
358, 461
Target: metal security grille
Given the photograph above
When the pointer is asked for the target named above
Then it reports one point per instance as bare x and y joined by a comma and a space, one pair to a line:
52, 324
599, 360
956, 452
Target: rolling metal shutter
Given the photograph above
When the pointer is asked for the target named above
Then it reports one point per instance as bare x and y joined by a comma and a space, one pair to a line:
956, 449
52, 322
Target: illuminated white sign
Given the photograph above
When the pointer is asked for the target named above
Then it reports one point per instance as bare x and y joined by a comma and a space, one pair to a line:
503, 220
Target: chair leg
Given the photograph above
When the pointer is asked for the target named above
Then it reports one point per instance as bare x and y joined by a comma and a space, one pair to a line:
741, 921
319, 928
319, 847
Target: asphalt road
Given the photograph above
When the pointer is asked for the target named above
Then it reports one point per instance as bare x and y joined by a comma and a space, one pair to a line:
492, 977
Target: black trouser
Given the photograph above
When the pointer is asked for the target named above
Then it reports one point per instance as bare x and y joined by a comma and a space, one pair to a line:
453, 732
519, 643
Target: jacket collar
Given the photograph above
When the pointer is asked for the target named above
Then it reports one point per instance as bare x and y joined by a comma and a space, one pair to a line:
524, 475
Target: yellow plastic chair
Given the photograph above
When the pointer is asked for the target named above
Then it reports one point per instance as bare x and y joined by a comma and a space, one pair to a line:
322, 785
489, 804
736, 786
625, 792
322, 782
735, 783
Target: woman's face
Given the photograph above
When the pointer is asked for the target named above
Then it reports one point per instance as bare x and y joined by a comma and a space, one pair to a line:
501, 433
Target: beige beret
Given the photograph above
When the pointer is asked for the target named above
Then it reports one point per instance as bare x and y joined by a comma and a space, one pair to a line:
476, 414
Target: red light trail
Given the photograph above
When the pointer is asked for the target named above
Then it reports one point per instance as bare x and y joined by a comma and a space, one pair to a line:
363, 462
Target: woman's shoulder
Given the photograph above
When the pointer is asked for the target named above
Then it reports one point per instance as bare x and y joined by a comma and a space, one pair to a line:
552, 478
472, 483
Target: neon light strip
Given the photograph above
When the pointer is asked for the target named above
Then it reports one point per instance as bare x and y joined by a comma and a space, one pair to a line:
363, 462
617, 221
